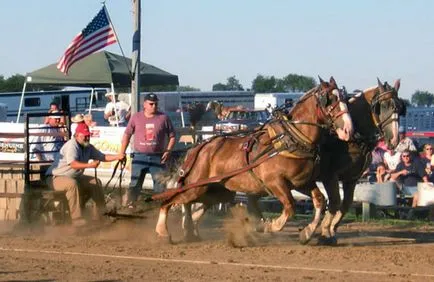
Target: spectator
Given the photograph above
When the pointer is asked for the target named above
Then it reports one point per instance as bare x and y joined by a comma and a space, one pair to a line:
391, 159
427, 160
78, 118
54, 108
116, 113
47, 145
154, 139
409, 171
405, 143
66, 173
88, 120
381, 174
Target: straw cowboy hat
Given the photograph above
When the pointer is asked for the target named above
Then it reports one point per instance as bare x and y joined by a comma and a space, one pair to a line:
110, 94
77, 118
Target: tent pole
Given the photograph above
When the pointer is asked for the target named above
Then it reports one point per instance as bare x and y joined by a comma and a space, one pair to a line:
114, 102
21, 101
180, 107
91, 100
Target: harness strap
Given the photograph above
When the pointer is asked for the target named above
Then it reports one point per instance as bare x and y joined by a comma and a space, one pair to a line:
172, 192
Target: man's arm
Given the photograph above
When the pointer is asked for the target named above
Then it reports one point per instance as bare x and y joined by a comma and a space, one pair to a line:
79, 165
124, 143
111, 157
396, 175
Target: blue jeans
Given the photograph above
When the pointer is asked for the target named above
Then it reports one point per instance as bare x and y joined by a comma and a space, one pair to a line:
141, 165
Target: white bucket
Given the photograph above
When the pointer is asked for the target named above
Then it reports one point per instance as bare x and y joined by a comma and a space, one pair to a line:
426, 194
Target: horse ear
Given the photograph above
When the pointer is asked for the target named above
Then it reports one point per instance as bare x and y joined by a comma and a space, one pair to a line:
380, 85
321, 81
397, 84
333, 81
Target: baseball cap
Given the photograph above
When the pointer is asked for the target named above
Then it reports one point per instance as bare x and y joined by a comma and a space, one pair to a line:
151, 97
83, 129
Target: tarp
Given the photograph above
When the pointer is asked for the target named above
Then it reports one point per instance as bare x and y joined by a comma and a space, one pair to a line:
100, 70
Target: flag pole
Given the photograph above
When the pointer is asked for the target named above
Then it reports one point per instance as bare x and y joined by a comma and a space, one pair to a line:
116, 34
135, 59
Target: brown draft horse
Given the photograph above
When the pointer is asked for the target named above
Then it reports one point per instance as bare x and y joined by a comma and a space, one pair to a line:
221, 111
375, 113
256, 163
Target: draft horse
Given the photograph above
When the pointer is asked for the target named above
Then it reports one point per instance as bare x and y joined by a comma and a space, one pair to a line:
375, 113
275, 159
221, 111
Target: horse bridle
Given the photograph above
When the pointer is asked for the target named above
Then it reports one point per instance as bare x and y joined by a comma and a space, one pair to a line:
376, 101
327, 114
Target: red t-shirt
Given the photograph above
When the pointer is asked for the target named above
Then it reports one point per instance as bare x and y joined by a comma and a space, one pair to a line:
150, 133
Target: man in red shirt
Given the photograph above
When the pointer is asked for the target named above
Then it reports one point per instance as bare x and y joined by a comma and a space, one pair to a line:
154, 139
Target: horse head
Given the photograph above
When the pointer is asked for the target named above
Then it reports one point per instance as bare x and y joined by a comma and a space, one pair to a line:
334, 110
216, 107
386, 109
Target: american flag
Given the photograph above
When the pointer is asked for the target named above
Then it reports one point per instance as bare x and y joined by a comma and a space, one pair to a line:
95, 36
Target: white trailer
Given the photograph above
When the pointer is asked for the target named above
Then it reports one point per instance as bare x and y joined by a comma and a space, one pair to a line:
264, 100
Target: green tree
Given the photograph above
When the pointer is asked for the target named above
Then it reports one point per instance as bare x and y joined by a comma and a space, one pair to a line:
294, 82
232, 83
219, 87
12, 84
422, 98
264, 84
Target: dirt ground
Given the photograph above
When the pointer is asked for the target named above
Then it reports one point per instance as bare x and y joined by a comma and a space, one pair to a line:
128, 250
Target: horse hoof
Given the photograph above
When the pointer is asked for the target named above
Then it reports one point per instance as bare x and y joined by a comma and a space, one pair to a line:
164, 239
327, 241
304, 236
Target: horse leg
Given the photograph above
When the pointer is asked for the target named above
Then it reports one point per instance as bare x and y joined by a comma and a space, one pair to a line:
253, 208
348, 188
332, 187
198, 212
188, 224
161, 227
319, 204
284, 195
190, 221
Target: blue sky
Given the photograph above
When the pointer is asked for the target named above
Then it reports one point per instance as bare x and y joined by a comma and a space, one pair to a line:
205, 42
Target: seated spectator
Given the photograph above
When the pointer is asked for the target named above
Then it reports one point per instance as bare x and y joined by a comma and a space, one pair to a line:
54, 108
409, 171
405, 143
427, 160
46, 147
382, 175
391, 158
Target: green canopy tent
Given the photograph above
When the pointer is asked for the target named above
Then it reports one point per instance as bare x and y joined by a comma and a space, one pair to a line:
101, 69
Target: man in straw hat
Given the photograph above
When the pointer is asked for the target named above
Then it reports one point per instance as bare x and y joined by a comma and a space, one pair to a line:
116, 113
66, 173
